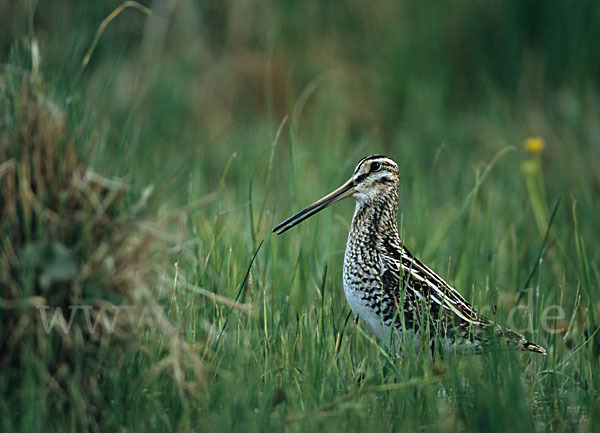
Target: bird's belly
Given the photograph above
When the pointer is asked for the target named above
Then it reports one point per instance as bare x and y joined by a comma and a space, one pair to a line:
364, 301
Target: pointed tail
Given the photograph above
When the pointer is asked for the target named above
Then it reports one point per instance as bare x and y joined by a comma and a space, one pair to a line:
532, 347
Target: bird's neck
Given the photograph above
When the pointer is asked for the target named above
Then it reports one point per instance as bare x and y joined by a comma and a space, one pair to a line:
377, 217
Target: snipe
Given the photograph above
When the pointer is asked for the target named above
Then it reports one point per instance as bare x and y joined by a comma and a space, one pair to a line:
385, 285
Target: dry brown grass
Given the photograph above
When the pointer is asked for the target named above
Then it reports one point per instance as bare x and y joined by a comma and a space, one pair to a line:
71, 237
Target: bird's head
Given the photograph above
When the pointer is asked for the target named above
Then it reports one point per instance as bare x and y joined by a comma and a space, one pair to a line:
373, 177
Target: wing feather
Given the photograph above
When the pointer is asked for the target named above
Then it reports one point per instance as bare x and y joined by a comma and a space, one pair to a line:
410, 281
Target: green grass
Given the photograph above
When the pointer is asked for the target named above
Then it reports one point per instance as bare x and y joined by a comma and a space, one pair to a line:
195, 111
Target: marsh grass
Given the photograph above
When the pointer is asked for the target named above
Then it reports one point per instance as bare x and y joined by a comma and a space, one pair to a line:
71, 241
232, 148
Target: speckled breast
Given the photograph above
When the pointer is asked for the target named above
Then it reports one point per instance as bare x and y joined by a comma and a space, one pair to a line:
363, 285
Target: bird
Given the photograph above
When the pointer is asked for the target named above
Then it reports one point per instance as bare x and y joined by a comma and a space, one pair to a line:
387, 287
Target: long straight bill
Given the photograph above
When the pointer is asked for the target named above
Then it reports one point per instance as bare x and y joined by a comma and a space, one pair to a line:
346, 190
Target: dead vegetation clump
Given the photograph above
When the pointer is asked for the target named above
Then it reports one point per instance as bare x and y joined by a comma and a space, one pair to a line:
74, 255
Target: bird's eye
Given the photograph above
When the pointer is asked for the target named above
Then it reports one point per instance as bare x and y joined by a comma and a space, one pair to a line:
375, 166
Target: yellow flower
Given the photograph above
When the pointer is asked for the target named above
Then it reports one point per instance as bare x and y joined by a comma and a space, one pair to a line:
534, 144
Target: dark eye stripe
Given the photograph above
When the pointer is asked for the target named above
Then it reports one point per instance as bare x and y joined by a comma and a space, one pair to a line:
360, 178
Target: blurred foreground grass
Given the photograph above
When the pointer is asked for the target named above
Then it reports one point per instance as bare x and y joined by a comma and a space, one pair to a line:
190, 100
